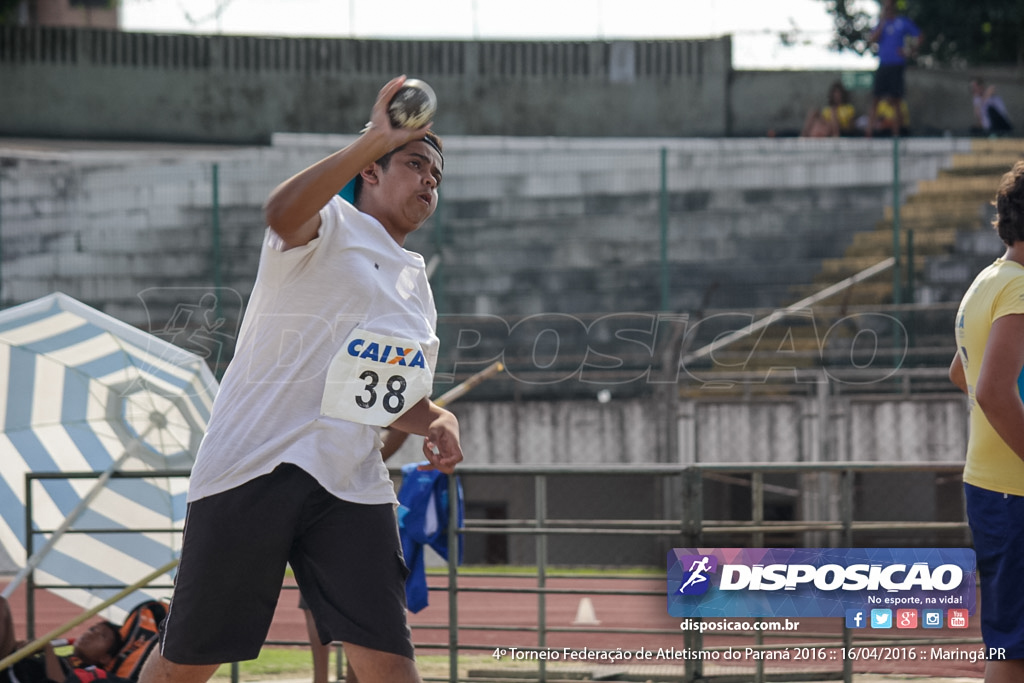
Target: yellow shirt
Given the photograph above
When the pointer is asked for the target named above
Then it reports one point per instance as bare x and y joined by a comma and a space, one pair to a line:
844, 115
887, 115
997, 291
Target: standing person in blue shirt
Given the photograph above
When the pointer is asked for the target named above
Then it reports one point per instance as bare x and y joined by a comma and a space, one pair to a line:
897, 38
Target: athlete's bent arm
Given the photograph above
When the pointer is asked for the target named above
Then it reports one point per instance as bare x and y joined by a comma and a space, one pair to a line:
293, 208
442, 446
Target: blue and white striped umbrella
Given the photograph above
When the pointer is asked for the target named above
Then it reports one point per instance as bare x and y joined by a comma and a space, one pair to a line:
83, 392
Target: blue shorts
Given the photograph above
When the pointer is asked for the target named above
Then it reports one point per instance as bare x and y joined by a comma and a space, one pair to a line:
997, 525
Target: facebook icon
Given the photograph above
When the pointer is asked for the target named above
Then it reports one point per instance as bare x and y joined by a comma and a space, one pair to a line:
856, 618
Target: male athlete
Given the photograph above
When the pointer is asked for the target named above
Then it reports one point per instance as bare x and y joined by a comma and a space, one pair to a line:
338, 340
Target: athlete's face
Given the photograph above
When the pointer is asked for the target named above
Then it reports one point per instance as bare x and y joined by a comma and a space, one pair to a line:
410, 184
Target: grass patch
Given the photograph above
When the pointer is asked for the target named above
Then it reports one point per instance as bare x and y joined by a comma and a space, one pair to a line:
274, 662
297, 663
531, 570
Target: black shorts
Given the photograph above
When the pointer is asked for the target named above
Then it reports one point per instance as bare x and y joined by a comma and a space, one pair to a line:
889, 81
347, 560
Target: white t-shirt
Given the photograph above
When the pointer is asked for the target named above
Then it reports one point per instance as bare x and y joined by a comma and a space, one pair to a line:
351, 295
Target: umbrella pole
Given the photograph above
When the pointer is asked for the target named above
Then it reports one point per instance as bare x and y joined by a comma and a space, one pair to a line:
33, 562
41, 641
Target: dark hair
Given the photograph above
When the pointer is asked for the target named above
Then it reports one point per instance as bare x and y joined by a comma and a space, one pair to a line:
431, 138
844, 93
118, 642
1009, 203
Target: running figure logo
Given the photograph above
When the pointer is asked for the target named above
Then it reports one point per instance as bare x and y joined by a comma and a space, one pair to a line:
696, 580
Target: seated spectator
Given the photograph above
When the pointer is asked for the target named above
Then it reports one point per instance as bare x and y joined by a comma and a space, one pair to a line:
832, 120
990, 114
93, 651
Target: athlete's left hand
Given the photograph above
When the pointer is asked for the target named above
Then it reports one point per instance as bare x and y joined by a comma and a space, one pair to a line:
442, 446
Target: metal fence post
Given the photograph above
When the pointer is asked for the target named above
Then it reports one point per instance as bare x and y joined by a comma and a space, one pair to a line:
663, 222
437, 281
540, 506
453, 578
846, 515
757, 541
215, 253
909, 292
692, 532
897, 281
897, 295
30, 588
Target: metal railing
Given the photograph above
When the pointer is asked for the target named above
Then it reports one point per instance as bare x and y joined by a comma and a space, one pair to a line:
687, 485
693, 529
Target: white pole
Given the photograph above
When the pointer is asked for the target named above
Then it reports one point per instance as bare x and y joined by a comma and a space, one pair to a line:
879, 267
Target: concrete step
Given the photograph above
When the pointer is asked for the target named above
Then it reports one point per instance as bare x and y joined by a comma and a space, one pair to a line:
921, 225
878, 243
981, 186
998, 146
983, 163
939, 210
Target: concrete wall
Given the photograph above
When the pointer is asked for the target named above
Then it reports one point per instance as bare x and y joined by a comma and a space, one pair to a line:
97, 84
91, 83
630, 431
827, 427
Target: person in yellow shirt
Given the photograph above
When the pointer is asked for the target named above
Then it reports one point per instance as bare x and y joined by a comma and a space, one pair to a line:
886, 120
832, 120
989, 368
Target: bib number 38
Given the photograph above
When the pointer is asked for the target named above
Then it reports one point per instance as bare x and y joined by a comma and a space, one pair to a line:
393, 400
375, 378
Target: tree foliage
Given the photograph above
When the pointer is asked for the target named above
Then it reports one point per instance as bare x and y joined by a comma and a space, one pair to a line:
956, 32
8, 11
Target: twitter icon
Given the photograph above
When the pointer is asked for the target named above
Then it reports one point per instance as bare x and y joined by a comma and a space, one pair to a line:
881, 618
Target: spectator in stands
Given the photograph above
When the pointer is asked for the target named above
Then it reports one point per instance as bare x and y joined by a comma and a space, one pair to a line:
93, 652
990, 114
834, 119
988, 367
897, 38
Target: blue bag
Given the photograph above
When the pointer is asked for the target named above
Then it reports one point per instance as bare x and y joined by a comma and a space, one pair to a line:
423, 511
